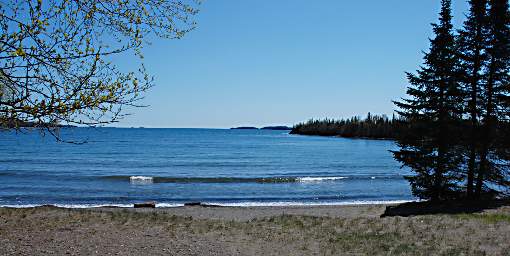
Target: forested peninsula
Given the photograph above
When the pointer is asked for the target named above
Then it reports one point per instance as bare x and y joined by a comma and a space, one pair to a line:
371, 127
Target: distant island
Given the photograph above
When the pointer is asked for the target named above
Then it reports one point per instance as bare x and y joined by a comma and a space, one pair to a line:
276, 128
372, 127
244, 128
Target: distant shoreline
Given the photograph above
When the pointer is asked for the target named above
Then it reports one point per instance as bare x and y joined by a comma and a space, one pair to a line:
344, 137
372, 127
275, 128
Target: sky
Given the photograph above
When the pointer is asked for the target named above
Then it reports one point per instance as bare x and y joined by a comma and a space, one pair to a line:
262, 62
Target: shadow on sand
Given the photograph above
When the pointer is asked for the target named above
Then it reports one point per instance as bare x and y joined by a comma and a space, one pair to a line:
443, 207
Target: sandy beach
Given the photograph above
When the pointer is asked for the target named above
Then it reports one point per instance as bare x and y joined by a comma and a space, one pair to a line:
310, 230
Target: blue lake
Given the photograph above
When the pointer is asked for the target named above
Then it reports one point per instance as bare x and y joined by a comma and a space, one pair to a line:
174, 166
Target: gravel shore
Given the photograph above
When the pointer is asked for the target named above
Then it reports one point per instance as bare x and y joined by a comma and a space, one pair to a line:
310, 230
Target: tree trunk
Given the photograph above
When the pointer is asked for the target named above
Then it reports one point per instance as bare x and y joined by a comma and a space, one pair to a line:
486, 133
474, 124
440, 168
471, 171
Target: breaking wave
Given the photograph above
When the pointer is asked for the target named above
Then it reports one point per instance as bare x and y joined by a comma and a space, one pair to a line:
224, 204
156, 179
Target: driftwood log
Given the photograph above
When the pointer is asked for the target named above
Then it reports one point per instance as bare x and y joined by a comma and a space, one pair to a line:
145, 205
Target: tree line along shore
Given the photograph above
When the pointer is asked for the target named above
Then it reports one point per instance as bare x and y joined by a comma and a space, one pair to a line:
372, 127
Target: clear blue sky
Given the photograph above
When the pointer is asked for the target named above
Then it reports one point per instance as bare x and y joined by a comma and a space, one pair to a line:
281, 62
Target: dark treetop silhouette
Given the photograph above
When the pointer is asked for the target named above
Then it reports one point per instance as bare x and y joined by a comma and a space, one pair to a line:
455, 133
373, 127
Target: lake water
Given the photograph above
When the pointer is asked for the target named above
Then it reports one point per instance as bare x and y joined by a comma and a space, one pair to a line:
174, 166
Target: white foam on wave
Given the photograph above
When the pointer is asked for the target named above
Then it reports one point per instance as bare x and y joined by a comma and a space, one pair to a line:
74, 206
168, 205
238, 204
319, 179
83, 206
269, 204
141, 179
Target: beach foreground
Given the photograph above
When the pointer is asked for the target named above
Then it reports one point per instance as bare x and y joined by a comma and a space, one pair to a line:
312, 230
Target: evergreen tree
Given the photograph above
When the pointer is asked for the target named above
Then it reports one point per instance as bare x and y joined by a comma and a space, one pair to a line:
493, 169
472, 42
373, 126
428, 144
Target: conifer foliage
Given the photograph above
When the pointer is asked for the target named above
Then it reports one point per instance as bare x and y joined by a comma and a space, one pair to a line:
433, 112
493, 169
373, 127
456, 115
472, 41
